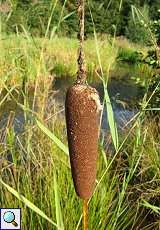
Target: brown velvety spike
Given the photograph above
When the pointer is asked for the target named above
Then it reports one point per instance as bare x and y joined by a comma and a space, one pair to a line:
82, 118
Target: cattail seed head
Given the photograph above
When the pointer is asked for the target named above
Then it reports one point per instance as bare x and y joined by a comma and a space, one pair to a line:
82, 118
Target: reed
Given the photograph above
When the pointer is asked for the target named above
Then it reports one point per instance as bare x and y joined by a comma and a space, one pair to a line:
35, 172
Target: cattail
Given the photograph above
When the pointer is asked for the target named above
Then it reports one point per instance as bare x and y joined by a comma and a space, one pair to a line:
82, 118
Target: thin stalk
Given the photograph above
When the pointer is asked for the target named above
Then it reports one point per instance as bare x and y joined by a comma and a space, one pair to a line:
81, 74
85, 214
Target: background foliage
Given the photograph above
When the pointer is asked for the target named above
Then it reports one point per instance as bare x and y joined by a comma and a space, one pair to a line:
107, 15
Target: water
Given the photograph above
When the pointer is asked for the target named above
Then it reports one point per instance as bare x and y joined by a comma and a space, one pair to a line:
124, 95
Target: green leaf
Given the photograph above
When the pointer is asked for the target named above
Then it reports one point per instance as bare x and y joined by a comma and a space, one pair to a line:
27, 202
55, 139
68, 15
153, 109
59, 217
148, 205
111, 120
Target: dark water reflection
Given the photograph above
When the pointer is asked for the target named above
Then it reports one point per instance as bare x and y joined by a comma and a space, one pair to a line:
124, 97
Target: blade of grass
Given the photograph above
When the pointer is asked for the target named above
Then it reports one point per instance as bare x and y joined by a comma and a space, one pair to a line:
111, 120
150, 206
53, 137
50, 18
152, 109
58, 206
8, 93
27, 202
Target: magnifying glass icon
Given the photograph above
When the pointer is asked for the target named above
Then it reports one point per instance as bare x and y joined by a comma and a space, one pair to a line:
9, 218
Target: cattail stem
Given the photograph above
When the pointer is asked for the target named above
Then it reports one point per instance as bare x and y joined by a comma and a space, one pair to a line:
81, 74
85, 214
82, 107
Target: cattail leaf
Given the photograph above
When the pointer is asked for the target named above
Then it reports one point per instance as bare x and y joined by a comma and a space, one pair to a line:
55, 139
27, 202
111, 120
59, 217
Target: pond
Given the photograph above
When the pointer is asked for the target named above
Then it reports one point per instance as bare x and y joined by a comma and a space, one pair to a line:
124, 95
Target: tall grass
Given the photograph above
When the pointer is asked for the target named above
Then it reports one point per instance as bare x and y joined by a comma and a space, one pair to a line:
34, 165
22, 55
40, 173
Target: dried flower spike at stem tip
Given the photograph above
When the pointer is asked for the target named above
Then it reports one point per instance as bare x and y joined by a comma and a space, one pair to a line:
82, 118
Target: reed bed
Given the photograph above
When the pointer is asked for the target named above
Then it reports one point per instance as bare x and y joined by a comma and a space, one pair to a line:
35, 172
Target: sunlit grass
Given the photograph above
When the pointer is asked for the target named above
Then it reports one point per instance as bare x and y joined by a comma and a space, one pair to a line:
26, 57
34, 165
40, 171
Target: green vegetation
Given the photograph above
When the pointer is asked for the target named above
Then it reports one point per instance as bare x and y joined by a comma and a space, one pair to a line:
26, 57
34, 164
107, 15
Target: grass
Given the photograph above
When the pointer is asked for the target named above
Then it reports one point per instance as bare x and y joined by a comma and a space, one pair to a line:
127, 190
26, 57
34, 165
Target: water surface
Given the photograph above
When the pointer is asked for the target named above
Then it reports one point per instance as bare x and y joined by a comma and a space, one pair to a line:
124, 95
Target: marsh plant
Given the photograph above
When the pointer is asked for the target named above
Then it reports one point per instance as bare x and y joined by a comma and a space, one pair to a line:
35, 172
